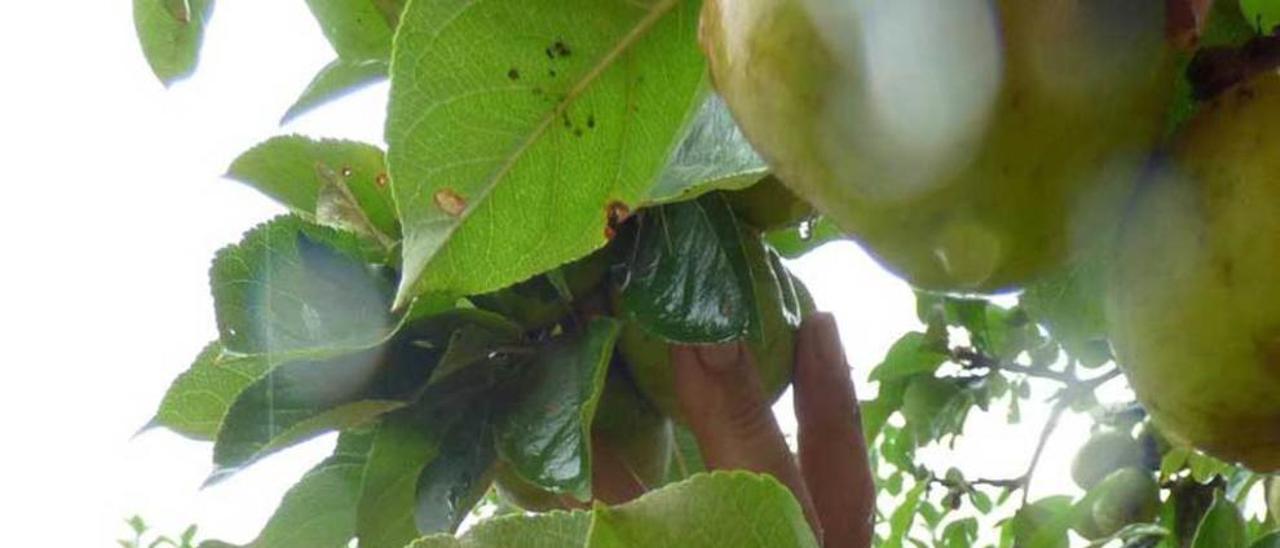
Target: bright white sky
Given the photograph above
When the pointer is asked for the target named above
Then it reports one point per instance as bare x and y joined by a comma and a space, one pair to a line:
118, 210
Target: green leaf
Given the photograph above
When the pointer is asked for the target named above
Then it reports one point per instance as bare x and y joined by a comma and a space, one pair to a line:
509, 157
291, 286
933, 407
1264, 14
453, 482
1069, 303
794, 242
1269, 540
360, 32
476, 343
717, 509
1204, 468
713, 155
357, 29
1222, 526
905, 514
1044, 523
198, 399
304, 398
385, 512
338, 78
339, 183
546, 432
960, 533
550, 530
171, 32
689, 273
913, 354
320, 510
686, 458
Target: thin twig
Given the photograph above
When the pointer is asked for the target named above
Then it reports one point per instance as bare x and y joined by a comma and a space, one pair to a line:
1045, 432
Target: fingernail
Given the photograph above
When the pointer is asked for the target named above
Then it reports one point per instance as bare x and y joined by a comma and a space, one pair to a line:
830, 349
719, 358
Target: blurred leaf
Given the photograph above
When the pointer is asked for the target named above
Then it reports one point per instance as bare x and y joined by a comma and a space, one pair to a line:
171, 32
716, 509
301, 399
546, 432
712, 155
913, 354
1069, 303
904, 515
1204, 468
320, 510
476, 343
1227, 25
960, 533
198, 399
337, 183
1269, 540
1222, 526
549, 530
1044, 523
980, 501
698, 287
1263, 14
686, 458
510, 157
291, 286
934, 407
1173, 461
795, 241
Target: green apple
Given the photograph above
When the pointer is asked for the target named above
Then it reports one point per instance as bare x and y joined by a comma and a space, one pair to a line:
1127, 495
769, 205
971, 145
1194, 305
1103, 454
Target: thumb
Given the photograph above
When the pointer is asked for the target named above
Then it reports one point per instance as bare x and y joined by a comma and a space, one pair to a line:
723, 402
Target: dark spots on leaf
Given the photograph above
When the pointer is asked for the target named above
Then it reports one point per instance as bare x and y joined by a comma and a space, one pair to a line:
513, 74
450, 202
381, 180
346, 171
537, 91
564, 120
551, 73
179, 11
577, 132
591, 121
615, 214
561, 49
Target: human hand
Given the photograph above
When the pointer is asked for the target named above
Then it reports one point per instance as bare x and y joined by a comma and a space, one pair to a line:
722, 400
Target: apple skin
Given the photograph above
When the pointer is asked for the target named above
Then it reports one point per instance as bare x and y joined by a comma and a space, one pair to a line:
1103, 454
995, 145
1194, 305
1127, 495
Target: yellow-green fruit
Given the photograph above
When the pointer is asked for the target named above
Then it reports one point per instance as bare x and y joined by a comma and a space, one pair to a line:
1128, 495
772, 344
769, 205
1102, 455
1082, 522
970, 144
1194, 300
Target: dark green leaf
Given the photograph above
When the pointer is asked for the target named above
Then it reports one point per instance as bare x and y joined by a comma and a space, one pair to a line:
198, 399
476, 343
320, 510
546, 432
960, 533
342, 183
1222, 526
510, 157
291, 286
171, 32
690, 273
458, 477
712, 155
913, 354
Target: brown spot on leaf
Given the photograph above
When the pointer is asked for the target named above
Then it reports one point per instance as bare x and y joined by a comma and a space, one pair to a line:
514, 73
450, 202
615, 214
381, 180
346, 171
